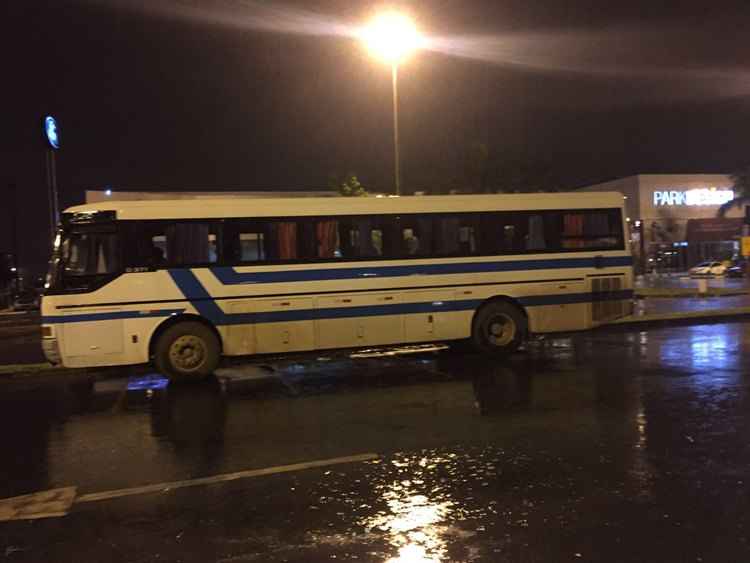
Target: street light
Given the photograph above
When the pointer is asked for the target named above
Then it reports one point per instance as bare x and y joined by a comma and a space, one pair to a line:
392, 37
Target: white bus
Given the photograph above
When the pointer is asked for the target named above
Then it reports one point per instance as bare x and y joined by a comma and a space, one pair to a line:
181, 283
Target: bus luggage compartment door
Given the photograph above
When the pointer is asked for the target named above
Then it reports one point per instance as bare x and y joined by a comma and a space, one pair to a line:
435, 322
374, 320
284, 325
97, 341
240, 339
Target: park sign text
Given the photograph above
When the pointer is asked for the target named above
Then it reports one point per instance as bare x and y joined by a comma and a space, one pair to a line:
697, 197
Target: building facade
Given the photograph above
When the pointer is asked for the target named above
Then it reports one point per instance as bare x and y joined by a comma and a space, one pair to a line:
674, 219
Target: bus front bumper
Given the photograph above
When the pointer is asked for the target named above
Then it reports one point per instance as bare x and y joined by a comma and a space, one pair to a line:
50, 346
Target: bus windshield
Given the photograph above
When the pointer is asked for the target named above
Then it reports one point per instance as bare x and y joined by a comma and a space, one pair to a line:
83, 257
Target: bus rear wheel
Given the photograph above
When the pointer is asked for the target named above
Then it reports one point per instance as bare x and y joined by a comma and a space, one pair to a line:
499, 328
187, 351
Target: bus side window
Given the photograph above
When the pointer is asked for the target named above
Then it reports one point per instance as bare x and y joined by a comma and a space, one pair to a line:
593, 228
386, 236
535, 239
360, 237
348, 236
190, 243
282, 240
415, 235
244, 241
504, 233
573, 231
457, 235
327, 239
553, 228
158, 255
490, 234
603, 228
145, 244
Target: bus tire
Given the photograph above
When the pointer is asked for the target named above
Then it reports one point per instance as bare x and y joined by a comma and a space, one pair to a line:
499, 328
187, 351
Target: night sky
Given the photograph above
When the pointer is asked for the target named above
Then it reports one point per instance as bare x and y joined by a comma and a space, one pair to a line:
151, 95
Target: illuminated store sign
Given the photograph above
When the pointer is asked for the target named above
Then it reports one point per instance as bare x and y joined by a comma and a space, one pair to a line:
698, 197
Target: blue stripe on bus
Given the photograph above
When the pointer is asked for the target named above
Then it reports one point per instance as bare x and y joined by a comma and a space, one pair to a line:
230, 276
193, 290
110, 316
349, 312
219, 318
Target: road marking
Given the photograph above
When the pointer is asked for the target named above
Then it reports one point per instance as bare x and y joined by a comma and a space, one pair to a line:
44, 504
169, 486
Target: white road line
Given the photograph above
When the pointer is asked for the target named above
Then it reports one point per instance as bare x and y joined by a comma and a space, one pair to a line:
165, 487
44, 504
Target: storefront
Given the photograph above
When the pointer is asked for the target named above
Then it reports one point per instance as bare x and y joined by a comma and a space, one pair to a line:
674, 219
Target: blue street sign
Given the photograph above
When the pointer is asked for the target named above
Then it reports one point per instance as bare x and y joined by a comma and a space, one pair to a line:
51, 132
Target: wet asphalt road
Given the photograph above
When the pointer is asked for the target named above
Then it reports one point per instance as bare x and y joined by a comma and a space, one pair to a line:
626, 446
20, 338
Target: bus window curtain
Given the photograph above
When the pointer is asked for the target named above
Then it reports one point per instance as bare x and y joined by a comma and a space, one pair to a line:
187, 243
596, 225
447, 236
367, 246
536, 234
287, 240
573, 227
326, 236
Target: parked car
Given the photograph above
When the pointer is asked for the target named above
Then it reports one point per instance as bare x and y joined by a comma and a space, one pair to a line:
737, 270
708, 269
26, 301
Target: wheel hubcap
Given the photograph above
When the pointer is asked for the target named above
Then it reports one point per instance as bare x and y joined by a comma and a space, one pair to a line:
501, 330
187, 353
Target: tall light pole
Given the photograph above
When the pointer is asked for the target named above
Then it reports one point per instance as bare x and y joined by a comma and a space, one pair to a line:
396, 149
392, 37
52, 138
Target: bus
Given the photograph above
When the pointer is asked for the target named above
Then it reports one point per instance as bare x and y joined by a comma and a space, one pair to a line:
182, 283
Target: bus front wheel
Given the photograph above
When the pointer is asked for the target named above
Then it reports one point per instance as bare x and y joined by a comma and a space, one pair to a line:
187, 351
499, 328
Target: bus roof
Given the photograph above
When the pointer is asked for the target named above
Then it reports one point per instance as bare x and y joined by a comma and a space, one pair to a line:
324, 206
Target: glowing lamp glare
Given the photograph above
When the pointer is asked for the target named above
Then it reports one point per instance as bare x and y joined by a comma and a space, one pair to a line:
391, 37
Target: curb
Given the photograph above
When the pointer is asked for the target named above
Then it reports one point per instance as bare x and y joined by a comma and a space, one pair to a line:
711, 315
14, 372
646, 293
6, 369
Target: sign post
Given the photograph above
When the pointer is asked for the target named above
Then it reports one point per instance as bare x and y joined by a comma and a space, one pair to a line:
52, 136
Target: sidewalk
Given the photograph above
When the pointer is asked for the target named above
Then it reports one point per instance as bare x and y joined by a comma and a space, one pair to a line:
688, 307
682, 285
